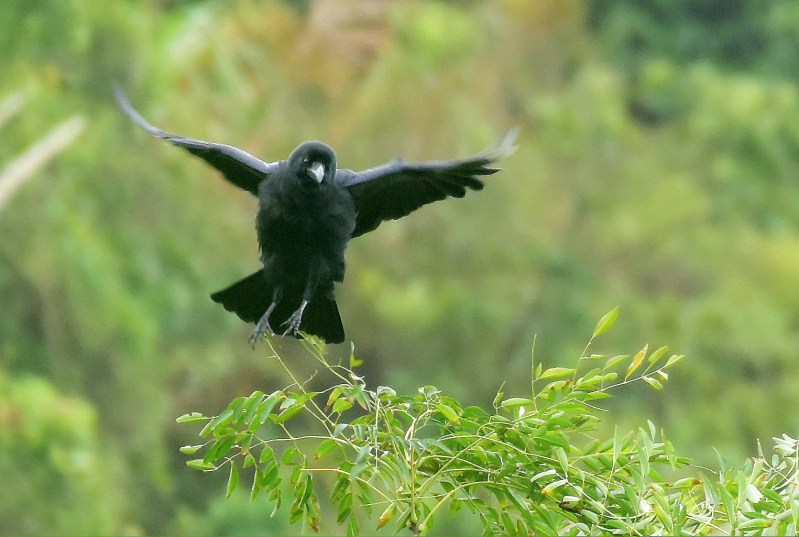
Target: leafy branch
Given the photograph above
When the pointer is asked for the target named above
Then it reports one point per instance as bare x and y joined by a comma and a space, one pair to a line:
531, 464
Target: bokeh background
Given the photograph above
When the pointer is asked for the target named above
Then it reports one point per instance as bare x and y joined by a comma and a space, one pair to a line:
656, 170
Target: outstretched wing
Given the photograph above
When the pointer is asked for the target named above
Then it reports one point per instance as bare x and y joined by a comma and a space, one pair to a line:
239, 167
396, 189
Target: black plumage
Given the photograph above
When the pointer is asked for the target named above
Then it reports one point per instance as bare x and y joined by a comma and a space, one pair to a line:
308, 211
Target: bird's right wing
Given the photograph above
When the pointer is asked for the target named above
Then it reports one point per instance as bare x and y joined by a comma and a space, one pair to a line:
239, 167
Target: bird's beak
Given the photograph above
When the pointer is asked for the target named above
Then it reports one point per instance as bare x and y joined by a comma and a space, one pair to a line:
317, 171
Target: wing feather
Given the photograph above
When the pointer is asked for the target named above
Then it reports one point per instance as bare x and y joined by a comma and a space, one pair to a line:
239, 167
396, 189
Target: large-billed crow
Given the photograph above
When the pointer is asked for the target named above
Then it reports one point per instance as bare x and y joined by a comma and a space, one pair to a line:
309, 210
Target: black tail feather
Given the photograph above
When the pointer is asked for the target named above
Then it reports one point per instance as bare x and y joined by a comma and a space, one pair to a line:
250, 297
247, 298
322, 318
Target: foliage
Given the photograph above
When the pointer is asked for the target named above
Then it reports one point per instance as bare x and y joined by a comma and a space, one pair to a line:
733, 33
49, 448
530, 465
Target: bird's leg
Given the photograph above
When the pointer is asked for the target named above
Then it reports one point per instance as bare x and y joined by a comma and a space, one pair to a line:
262, 328
293, 322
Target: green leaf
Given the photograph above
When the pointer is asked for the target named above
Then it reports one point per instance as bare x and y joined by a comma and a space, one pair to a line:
429, 391
386, 516
366, 498
288, 414
545, 473
756, 523
244, 440
307, 490
250, 407
556, 372
656, 384
341, 487
325, 447
270, 478
237, 404
588, 382
593, 396
341, 405
354, 362
658, 354
498, 398
313, 513
614, 361
362, 454
191, 418
222, 419
354, 527
728, 502
267, 454
449, 413
290, 454
220, 448
617, 444
554, 485
264, 409
233, 480
294, 407
344, 508
588, 377
189, 450
508, 523
563, 459
295, 512
606, 322
359, 395
256, 485
637, 361
673, 359
276, 497
515, 401
199, 464
334, 395
687, 482
385, 392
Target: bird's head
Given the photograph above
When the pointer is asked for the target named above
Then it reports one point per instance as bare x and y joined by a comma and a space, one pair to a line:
314, 163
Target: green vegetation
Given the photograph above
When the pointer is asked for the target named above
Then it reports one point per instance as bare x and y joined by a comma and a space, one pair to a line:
533, 465
656, 170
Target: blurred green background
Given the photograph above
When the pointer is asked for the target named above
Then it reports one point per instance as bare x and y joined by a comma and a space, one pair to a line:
657, 170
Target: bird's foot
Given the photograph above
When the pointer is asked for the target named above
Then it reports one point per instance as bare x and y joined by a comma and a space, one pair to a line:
292, 324
261, 329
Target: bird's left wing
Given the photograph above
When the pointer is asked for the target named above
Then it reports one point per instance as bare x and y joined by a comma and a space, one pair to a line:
239, 167
396, 189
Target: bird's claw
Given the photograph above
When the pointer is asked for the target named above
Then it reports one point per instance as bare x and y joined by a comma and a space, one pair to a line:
261, 329
294, 320
293, 323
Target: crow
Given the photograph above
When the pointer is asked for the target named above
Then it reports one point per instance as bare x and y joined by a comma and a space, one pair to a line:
308, 211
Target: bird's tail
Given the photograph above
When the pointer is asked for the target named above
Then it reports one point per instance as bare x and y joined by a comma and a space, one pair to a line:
248, 298
322, 318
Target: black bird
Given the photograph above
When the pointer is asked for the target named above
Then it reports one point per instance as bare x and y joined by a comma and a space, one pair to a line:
309, 210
